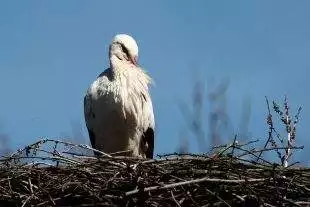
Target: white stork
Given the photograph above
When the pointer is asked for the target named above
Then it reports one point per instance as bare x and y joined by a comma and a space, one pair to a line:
117, 106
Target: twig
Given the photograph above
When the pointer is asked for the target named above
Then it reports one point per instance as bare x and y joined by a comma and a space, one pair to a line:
129, 193
270, 123
176, 202
218, 197
233, 147
30, 186
287, 121
25, 202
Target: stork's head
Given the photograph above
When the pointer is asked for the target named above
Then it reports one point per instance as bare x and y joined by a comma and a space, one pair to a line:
125, 48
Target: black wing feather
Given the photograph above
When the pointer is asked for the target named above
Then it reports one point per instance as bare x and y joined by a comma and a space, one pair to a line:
92, 138
148, 142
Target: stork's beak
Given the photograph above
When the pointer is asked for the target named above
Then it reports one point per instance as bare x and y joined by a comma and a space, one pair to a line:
134, 60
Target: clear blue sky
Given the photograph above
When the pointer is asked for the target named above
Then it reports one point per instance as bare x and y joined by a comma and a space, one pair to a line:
50, 51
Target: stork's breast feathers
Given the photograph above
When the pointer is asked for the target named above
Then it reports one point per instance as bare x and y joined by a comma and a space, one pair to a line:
127, 97
128, 93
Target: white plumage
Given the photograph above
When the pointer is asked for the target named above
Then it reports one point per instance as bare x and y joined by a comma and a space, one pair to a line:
117, 106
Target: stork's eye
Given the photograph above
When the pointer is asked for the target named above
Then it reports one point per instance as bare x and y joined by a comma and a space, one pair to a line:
125, 50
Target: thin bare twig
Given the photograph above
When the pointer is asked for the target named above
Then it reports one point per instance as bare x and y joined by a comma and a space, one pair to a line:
129, 193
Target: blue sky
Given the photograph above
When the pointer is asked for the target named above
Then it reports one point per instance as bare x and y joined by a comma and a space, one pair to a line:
52, 50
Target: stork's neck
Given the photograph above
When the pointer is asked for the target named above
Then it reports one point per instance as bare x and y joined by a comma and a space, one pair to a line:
115, 65
119, 66
125, 69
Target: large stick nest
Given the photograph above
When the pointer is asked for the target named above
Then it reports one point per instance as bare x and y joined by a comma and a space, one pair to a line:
234, 176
